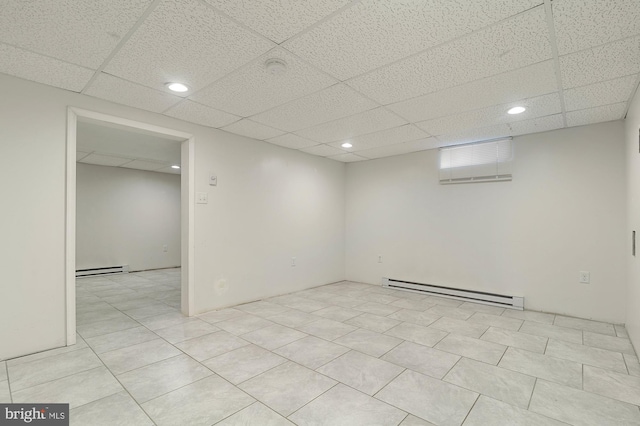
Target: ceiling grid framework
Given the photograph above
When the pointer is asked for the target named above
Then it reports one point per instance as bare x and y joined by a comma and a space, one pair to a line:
388, 77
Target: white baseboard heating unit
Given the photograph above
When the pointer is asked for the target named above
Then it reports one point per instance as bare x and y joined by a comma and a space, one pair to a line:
108, 270
512, 302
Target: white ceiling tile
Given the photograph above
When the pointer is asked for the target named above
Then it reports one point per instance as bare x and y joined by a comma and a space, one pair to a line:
400, 148
373, 33
581, 24
392, 136
124, 92
201, 114
144, 165
105, 160
290, 140
536, 107
535, 125
475, 135
347, 158
323, 150
252, 129
602, 63
42, 69
253, 89
82, 32
81, 154
169, 170
188, 42
349, 127
596, 115
517, 42
604, 93
278, 19
329, 104
523, 83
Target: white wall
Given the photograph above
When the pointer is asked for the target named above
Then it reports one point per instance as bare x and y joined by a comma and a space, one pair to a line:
270, 204
632, 126
125, 217
563, 212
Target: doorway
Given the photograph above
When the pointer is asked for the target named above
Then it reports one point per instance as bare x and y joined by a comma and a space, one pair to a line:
187, 160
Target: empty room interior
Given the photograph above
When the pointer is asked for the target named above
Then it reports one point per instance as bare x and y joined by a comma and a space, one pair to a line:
336, 212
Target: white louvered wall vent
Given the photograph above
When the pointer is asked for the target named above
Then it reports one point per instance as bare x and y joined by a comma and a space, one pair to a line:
488, 161
493, 299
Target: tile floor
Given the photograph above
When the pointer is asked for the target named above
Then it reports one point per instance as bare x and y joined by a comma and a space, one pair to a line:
341, 354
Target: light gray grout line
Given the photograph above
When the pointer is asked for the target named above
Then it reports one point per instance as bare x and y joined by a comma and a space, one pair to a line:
309, 402
532, 392
472, 406
121, 43
582, 377
6, 369
633, 93
556, 57
626, 364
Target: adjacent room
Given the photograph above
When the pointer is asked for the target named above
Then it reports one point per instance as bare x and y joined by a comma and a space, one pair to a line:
339, 212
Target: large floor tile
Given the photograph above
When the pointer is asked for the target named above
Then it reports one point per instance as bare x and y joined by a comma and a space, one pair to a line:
117, 409
186, 330
149, 311
202, 403
43, 370
416, 305
244, 363
445, 301
422, 359
369, 342
586, 325
243, 324
120, 339
461, 327
312, 352
91, 317
345, 301
450, 312
293, 318
5, 395
412, 420
136, 356
621, 331
261, 308
373, 322
385, 299
417, 333
164, 320
556, 370
552, 331
428, 398
337, 313
581, 408
106, 326
305, 305
377, 308
487, 411
326, 329
80, 344
484, 318
154, 380
481, 308
274, 336
633, 366
532, 316
611, 343
362, 372
280, 388
472, 348
622, 387
221, 315
586, 355
343, 406
498, 383
78, 389
515, 339
255, 414
211, 345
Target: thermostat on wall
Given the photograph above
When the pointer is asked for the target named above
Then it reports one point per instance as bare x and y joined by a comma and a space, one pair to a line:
213, 180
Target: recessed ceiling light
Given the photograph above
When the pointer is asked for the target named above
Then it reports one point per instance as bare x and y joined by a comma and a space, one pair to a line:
346, 145
177, 87
275, 66
516, 110
175, 167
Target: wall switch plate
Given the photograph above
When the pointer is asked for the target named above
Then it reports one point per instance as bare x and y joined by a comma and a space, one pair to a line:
202, 198
293, 261
380, 259
165, 248
213, 180
585, 277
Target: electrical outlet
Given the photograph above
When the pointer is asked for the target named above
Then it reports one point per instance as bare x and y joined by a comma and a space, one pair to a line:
202, 198
293, 261
585, 277
380, 259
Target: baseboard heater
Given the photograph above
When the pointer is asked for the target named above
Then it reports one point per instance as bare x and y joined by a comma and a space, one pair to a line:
512, 302
107, 270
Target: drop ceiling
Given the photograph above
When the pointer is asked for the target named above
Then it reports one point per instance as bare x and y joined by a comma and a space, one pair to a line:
389, 76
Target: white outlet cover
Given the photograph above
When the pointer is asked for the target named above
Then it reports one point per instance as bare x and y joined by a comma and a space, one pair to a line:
202, 198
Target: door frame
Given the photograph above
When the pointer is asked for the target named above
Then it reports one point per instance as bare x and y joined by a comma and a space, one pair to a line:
187, 208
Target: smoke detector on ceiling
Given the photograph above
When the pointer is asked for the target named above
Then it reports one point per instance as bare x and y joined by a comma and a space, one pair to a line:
276, 66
